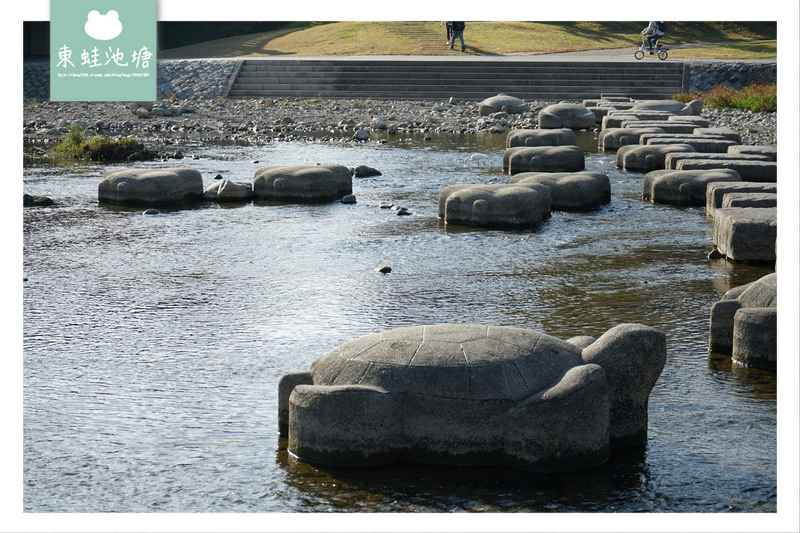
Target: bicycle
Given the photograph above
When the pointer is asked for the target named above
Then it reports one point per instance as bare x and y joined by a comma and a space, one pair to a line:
659, 50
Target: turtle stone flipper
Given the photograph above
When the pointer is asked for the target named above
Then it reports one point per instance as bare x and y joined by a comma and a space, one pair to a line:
632, 356
285, 387
564, 427
344, 425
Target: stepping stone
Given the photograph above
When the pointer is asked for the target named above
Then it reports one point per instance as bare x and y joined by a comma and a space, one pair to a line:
543, 159
700, 143
502, 102
571, 191
687, 187
614, 119
665, 125
566, 115
727, 133
692, 108
473, 394
317, 183
500, 206
599, 113
746, 233
151, 187
761, 171
715, 193
749, 199
743, 323
531, 137
744, 149
644, 158
755, 337
229, 191
671, 160
613, 138
700, 122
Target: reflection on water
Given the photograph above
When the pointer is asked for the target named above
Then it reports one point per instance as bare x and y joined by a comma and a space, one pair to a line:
622, 483
153, 345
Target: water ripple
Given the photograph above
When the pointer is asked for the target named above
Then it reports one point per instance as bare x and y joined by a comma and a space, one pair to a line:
153, 345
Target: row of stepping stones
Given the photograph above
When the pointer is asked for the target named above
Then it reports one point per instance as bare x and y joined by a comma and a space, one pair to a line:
687, 163
547, 173
532, 154
180, 186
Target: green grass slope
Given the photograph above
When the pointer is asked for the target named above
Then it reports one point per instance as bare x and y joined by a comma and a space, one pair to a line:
702, 40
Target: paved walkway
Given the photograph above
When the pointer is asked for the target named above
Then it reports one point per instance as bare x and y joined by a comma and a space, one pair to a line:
610, 54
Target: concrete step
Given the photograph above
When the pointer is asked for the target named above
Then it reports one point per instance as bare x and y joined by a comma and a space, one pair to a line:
454, 80
476, 67
558, 93
428, 73
462, 79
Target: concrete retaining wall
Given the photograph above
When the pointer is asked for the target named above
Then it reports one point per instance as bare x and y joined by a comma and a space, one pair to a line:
183, 78
703, 76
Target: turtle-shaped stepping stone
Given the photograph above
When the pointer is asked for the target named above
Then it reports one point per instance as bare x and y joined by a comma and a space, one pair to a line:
496, 205
529, 137
566, 115
502, 102
167, 187
570, 191
473, 395
302, 183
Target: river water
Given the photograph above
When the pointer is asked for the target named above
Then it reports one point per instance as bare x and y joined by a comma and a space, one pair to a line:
153, 345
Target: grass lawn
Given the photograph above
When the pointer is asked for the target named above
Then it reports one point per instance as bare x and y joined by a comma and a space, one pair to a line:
742, 40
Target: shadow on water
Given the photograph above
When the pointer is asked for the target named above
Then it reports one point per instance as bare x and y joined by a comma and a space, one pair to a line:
620, 485
747, 381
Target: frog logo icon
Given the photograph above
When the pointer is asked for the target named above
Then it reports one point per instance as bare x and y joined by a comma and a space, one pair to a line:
103, 27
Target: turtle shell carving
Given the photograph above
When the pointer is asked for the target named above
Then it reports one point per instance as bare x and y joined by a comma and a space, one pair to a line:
469, 362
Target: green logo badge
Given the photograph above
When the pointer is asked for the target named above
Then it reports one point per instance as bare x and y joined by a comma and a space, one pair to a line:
103, 50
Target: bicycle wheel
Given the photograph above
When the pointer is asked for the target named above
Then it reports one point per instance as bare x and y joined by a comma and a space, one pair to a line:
638, 54
662, 54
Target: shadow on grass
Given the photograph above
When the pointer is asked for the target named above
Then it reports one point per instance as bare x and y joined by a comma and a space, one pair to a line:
473, 50
259, 42
243, 45
678, 32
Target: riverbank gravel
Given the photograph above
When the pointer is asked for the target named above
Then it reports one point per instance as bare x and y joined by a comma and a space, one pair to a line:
168, 125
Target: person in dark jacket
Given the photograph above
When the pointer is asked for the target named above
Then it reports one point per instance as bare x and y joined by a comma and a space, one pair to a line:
458, 31
656, 31
448, 28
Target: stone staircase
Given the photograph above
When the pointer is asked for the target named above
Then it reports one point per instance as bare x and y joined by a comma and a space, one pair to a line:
465, 75
462, 77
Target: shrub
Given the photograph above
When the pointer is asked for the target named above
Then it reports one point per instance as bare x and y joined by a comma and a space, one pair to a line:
755, 97
76, 145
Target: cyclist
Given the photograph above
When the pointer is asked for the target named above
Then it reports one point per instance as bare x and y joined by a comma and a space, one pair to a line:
656, 30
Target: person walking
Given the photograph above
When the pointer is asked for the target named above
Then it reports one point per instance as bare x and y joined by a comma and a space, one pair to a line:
448, 26
656, 30
457, 31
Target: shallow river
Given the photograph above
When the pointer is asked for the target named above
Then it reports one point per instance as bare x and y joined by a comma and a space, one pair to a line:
153, 345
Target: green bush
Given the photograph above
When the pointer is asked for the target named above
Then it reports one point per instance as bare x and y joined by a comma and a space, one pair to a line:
76, 145
755, 97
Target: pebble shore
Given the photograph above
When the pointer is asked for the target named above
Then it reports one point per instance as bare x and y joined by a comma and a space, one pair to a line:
191, 108
172, 123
